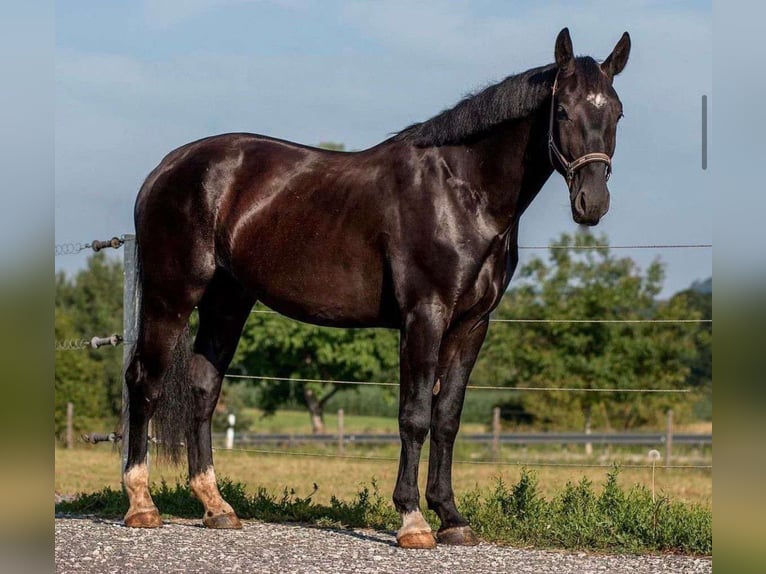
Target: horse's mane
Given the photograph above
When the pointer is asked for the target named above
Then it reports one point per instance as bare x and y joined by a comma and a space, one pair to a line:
513, 98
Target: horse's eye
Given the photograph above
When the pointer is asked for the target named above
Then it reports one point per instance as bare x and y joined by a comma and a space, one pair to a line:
561, 113
619, 117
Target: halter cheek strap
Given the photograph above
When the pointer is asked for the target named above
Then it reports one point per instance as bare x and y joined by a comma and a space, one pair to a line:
571, 167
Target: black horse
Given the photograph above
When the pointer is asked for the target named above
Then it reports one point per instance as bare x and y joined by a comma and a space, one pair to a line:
418, 233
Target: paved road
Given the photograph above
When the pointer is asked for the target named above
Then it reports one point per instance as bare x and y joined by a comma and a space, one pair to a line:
96, 545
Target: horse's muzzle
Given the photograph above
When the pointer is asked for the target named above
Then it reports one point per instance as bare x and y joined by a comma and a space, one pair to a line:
588, 208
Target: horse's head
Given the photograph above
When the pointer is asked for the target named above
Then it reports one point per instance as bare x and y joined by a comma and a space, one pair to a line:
585, 110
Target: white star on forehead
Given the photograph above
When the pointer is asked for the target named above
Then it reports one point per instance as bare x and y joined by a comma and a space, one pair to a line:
598, 100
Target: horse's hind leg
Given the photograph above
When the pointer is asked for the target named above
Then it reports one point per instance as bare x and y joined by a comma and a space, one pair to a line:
222, 314
161, 335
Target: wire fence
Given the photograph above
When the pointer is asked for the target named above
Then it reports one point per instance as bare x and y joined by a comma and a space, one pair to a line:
75, 247
475, 387
71, 344
646, 246
606, 321
424, 460
95, 438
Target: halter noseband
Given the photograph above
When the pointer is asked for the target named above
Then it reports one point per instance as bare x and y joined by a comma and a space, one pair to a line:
571, 167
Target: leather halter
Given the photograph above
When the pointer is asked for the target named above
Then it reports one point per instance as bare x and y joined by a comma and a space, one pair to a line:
571, 167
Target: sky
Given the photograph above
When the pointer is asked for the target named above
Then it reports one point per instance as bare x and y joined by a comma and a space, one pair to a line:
134, 80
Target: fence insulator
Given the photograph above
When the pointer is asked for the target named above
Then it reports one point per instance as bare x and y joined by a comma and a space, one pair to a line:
112, 340
114, 243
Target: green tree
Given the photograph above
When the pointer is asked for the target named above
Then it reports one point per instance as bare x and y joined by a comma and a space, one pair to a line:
332, 146
89, 304
278, 347
579, 283
697, 297
77, 379
700, 298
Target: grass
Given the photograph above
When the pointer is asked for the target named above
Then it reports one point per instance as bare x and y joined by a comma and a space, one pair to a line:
577, 517
90, 468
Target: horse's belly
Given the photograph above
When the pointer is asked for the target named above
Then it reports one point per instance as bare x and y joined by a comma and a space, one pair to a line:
333, 286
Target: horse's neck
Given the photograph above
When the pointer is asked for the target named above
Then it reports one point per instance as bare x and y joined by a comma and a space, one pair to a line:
512, 165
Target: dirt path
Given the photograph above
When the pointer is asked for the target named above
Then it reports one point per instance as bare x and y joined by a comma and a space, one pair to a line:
97, 545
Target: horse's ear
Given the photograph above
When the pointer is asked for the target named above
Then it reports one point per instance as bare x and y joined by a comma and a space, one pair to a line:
564, 53
616, 61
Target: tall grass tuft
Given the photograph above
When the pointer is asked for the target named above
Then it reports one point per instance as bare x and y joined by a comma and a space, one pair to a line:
578, 518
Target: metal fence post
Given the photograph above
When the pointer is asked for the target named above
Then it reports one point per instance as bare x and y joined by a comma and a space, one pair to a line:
130, 329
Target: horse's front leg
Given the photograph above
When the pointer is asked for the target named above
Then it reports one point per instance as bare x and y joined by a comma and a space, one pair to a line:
457, 357
419, 355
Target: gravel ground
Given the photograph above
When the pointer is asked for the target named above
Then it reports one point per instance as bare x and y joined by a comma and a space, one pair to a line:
97, 545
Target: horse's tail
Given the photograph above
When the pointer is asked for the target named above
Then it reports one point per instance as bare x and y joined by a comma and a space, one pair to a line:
172, 417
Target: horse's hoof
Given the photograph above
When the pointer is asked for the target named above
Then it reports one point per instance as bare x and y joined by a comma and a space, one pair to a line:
144, 519
458, 536
418, 540
228, 520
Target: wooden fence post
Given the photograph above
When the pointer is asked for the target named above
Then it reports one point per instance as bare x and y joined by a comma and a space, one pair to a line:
669, 439
495, 433
341, 437
69, 424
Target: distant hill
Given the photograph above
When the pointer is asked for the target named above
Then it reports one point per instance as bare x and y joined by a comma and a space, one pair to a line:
704, 286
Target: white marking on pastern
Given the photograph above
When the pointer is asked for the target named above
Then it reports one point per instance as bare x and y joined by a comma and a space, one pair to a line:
413, 523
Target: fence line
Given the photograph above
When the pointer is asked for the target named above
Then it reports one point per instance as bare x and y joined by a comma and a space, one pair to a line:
600, 320
77, 344
475, 387
75, 247
271, 312
69, 248
478, 462
646, 246
95, 438
250, 439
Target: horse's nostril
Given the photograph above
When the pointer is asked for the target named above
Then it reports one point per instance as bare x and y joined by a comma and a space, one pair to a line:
580, 203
